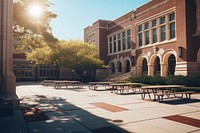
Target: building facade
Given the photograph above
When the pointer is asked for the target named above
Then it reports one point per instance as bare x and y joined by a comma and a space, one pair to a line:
161, 37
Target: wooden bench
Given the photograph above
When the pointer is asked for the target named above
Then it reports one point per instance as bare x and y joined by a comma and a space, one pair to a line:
95, 85
66, 83
121, 87
161, 95
48, 83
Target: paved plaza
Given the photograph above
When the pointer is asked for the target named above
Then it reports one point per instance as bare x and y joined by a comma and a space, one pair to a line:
80, 110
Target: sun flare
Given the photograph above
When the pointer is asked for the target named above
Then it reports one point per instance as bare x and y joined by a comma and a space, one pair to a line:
35, 10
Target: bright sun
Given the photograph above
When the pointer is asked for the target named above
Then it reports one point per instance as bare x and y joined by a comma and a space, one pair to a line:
35, 10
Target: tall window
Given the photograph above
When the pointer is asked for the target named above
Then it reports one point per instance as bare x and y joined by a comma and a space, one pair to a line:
140, 35
110, 43
114, 43
147, 33
162, 29
119, 41
154, 33
172, 25
124, 40
162, 20
159, 29
163, 33
129, 38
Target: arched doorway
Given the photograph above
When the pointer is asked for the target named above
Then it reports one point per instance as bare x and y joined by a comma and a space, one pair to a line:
119, 64
157, 67
144, 67
112, 68
171, 64
128, 66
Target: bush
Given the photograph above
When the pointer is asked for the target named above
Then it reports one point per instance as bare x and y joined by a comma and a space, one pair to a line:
193, 81
158, 80
141, 79
176, 80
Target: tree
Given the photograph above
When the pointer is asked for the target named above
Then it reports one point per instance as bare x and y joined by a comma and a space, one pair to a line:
28, 27
73, 54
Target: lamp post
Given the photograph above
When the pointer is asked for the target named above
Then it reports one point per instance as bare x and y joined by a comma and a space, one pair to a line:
36, 73
72, 74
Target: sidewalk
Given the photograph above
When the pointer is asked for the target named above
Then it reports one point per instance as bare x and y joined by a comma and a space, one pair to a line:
71, 110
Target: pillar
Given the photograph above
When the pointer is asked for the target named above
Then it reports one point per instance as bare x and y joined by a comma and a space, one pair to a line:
164, 70
151, 71
7, 77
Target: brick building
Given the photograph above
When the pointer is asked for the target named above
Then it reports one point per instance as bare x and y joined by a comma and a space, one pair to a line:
161, 37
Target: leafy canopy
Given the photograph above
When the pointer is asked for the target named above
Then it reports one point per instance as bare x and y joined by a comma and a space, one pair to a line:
26, 27
71, 54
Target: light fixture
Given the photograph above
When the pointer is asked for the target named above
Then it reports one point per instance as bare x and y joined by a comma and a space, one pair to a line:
180, 51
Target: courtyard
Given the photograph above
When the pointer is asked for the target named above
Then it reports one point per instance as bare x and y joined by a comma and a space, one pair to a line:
80, 110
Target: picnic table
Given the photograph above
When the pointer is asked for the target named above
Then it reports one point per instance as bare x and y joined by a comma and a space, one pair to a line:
95, 85
121, 87
159, 91
66, 83
47, 82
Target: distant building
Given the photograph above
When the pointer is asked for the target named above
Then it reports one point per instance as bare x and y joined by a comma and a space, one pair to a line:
161, 37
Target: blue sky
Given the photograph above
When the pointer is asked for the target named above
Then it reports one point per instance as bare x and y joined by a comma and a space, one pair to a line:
75, 15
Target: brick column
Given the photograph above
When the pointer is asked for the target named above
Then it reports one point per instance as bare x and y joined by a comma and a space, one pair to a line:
164, 70
151, 70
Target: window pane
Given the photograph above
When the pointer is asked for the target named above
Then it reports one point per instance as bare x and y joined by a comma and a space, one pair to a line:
124, 34
124, 43
114, 37
146, 26
163, 33
128, 32
118, 36
110, 39
147, 37
172, 17
162, 20
115, 47
139, 28
154, 35
140, 39
119, 45
172, 30
129, 42
154, 23
110, 47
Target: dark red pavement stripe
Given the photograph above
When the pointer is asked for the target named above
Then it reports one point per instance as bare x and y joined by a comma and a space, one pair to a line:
108, 107
184, 119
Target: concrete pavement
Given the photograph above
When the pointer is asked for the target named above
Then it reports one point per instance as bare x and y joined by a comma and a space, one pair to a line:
80, 110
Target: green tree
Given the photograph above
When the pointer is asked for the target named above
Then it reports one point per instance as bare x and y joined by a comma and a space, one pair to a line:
26, 27
73, 54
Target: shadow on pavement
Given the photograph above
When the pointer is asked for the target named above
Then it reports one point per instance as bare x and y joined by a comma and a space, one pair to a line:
180, 101
53, 114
